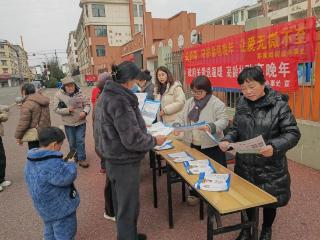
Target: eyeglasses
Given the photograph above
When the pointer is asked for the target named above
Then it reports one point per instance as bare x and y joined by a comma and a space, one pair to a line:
198, 92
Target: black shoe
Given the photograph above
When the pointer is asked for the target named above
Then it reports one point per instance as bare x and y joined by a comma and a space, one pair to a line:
266, 233
142, 236
245, 234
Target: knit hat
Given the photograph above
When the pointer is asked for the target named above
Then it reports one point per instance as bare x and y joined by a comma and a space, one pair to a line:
67, 80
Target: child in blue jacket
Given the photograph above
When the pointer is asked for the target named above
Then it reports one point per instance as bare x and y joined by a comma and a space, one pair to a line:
50, 182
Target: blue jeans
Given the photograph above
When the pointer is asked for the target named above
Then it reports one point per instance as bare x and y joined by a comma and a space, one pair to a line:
76, 138
62, 229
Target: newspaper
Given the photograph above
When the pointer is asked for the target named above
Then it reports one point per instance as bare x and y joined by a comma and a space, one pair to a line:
251, 146
213, 182
190, 127
141, 99
159, 129
150, 110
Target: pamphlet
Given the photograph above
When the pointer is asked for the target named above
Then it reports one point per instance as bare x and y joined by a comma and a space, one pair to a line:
150, 110
190, 127
251, 146
197, 166
159, 129
141, 99
165, 146
213, 182
212, 137
180, 157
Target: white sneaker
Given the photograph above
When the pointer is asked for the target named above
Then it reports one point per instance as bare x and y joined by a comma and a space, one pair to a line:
1, 188
109, 218
5, 184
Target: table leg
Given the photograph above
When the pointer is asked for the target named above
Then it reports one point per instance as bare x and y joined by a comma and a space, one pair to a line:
154, 178
201, 209
210, 221
159, 164
256, 225
170, 214
183, 186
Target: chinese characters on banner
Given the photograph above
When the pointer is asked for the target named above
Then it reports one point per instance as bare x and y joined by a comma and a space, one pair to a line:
277, 49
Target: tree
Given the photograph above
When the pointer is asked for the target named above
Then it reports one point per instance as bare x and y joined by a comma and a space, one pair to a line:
54, 69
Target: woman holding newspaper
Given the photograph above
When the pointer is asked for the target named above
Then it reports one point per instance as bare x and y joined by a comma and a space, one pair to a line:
171, 95
121, 139
203, 107
262, 111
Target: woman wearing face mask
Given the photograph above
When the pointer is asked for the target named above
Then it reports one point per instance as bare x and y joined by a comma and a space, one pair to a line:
170, 93
203, 106
262, 111
73, 106
34, 113
145, 84
121, 139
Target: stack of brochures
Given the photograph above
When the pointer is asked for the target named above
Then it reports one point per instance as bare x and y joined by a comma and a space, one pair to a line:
180, 157
159, 129
198, 166
165, 146
213, 182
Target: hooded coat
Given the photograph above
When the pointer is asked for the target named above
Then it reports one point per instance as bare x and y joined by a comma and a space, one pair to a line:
271, 117
50, 183
119, 130
34, 113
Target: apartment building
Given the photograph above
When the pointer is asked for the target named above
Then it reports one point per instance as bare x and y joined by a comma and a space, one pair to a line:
13, 64
72, 52
103, 27
277, 10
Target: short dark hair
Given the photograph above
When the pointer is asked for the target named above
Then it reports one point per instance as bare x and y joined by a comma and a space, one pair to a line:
49, 135
28, 88
202, 83
144, 75
124, 72
251, 74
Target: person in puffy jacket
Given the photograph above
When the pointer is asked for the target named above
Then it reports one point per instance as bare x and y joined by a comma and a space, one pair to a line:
73, 106
171, 95
121, 139
34, 113
262, 111
50, 183
3, 160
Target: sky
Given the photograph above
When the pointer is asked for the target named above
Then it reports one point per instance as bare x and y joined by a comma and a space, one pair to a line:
45, 24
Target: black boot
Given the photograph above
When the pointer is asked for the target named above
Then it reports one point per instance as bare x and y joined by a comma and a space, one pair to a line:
245, 234
142, 236
266, 233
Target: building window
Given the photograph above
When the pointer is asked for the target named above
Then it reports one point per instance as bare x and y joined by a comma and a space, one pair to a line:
101, 51
137, 10
75, 52
138, 28
98, 10
1, 46
2, 55
5, 70
87, 12
242, 16
101, 31
3, 62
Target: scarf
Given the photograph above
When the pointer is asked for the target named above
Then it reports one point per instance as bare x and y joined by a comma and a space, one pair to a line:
194, 114
163, 88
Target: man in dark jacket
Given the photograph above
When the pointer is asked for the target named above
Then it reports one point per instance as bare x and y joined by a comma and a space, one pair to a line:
262, 111
121, 139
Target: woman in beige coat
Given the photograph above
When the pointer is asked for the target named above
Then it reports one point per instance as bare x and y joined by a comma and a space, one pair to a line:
171, 95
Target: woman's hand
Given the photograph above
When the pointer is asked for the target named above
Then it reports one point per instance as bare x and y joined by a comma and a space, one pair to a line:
160, 139
205, 128
176, 133
71, 109
224, 146
82, 115
19, 142
161, 113
267, 151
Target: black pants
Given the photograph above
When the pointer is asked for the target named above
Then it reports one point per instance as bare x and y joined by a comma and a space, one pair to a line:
34, 144
108, 204
214, 152
125, 183
269, 214
2, 162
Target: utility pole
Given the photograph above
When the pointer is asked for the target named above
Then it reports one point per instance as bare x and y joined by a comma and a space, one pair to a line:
55, 53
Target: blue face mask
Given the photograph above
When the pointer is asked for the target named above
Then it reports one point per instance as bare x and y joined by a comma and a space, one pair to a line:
135, 89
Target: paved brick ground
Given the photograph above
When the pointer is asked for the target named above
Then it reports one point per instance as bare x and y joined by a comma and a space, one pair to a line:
19, 220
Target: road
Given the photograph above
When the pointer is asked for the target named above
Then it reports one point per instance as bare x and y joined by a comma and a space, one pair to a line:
19, 220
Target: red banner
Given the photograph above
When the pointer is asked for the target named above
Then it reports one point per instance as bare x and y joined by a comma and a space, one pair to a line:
276, 48
90, 78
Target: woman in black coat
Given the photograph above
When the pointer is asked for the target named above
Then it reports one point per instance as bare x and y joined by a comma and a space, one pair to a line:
262, 111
